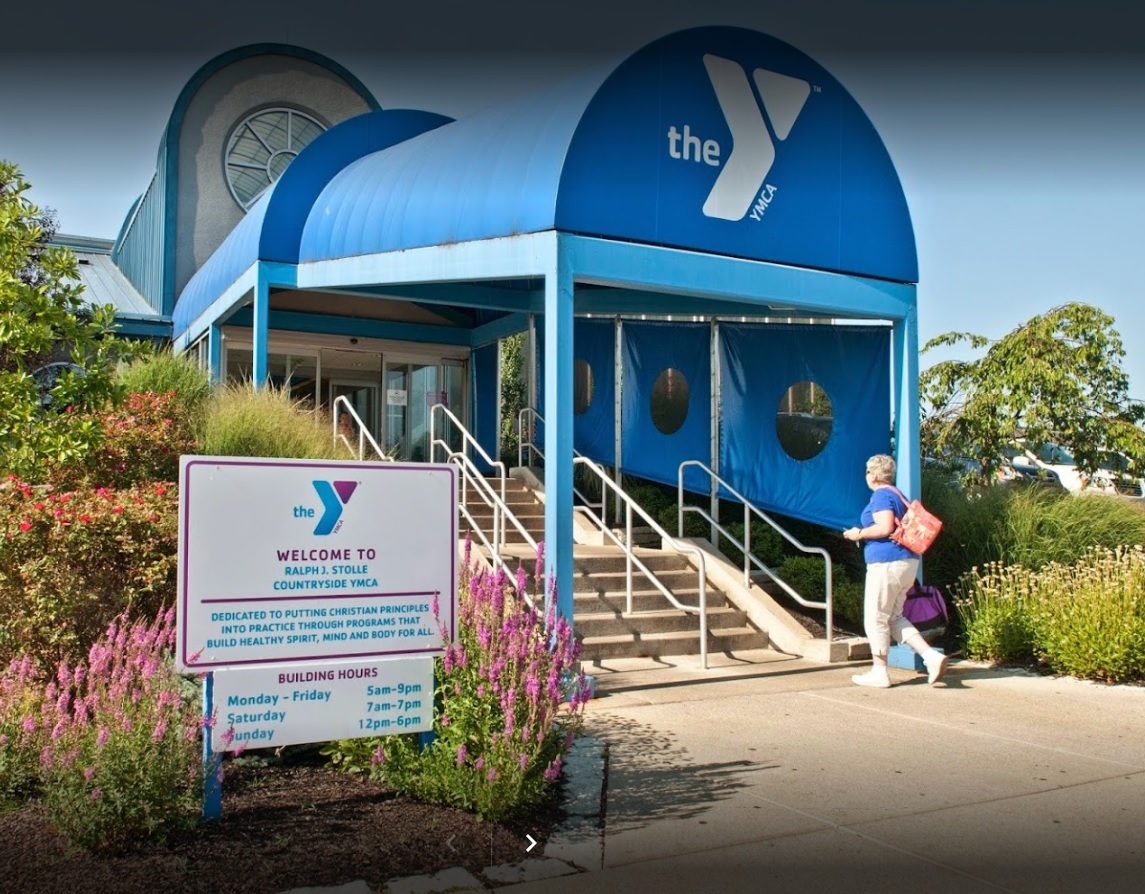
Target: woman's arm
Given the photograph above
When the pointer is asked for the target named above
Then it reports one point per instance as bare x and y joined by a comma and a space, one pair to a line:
880, 529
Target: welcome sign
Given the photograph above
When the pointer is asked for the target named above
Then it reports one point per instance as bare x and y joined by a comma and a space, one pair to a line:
285, 561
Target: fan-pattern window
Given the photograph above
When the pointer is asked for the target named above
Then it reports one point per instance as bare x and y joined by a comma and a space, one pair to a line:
262, 146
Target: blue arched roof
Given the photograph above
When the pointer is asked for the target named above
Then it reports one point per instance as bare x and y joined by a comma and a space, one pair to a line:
272, 228
717, 139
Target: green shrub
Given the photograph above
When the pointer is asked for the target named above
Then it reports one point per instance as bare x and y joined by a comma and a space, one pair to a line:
1086, 619
140, 442
1020, 524
71, 561
242, 421
807, 576
500, 734
994, 610
162, 372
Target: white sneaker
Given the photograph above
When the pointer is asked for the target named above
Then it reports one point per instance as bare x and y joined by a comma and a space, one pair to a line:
935, 667
873, 678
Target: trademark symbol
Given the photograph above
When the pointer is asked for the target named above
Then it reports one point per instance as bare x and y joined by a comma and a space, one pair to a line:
816, 89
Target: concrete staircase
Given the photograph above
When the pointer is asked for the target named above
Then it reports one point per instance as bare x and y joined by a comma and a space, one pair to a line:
655, 627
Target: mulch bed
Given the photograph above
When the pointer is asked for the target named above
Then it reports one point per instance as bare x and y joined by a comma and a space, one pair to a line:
284, 825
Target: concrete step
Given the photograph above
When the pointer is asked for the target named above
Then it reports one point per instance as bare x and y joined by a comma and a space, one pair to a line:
680, 642
642, 600
617, 581
645, 623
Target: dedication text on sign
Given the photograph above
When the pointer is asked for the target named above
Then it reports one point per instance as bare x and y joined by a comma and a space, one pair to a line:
302, 561
266, 707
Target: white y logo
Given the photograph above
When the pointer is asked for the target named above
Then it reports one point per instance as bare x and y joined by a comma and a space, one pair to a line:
752, 150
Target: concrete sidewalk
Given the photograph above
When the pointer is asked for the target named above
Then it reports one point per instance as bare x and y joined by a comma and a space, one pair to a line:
767, 771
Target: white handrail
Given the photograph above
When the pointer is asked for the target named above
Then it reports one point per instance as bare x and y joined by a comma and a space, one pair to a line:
625, 545
632, 507
745, 547
471, 475
364, 437
468, 440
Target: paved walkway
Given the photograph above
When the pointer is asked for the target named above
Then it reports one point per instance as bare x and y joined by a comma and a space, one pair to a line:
770, 773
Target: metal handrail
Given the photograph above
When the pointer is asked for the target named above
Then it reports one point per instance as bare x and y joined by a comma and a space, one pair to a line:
534, 450
364, 436
745, 548
626, 545
468, 440
470, 474
631, 507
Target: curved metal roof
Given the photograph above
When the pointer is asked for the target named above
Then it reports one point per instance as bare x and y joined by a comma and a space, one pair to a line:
721, 140
272, 228
494, 173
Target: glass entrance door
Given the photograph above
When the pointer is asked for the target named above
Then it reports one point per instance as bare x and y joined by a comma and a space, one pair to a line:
412, 389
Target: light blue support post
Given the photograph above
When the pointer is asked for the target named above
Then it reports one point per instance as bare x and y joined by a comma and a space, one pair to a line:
215, 353
906, 404
212, 763
259, 328
558, 384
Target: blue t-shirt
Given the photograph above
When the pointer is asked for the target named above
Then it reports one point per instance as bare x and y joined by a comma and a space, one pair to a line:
885, 550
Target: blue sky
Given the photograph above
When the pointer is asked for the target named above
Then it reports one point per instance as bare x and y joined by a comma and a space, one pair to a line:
1017, 127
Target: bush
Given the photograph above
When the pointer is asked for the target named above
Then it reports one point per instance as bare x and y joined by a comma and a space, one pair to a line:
72, 561
140, 443
242, 421
1087, 619
162, 372
499, 733
1020, 524
807, 575
995, 613
122, 758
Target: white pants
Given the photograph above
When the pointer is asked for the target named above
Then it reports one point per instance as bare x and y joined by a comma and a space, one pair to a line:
883, 598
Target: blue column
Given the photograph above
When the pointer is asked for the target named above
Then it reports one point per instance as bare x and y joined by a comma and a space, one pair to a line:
215, 353
259, 328
906, 404
558, 390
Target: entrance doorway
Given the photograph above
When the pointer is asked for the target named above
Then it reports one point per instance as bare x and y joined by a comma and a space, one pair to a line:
411, 391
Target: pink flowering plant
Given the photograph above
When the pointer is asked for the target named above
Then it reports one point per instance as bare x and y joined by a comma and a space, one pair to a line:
139, 441
21, 737
509, 701
116, 738
70, 561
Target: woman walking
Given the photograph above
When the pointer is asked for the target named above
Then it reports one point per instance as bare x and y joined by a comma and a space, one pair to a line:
891, 569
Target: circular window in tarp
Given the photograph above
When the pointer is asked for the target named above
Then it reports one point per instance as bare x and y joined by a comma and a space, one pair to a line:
583, 387
804, 420
669, 401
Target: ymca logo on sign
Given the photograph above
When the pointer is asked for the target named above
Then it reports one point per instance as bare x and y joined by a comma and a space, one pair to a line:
334, 495
741, 182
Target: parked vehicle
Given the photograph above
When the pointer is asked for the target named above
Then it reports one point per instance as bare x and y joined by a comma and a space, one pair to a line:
1053, 459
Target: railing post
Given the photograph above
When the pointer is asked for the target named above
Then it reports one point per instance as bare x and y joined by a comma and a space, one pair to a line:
628, 550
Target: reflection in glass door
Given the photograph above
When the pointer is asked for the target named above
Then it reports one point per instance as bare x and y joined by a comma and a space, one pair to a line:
412, 389
364, 400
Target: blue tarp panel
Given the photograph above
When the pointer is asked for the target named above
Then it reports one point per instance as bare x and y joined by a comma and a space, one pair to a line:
678, 356
594, 430
484, 368
758, 364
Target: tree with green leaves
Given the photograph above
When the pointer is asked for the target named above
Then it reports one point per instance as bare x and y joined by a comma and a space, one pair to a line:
1056, 379
44, 319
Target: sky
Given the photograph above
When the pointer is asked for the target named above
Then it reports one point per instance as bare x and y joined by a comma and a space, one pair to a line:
1017, 126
